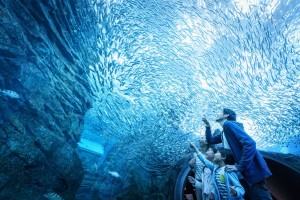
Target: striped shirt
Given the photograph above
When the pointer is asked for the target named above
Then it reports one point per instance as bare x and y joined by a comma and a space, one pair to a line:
221, 183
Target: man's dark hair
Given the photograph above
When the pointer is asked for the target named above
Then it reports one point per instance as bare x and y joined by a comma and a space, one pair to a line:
231, 113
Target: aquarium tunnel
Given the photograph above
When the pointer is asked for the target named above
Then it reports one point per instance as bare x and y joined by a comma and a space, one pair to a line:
99, 99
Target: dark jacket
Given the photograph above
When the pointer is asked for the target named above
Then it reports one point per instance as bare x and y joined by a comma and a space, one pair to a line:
248, 160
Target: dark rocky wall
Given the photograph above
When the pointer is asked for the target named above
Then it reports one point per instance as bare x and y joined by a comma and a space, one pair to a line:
44, 94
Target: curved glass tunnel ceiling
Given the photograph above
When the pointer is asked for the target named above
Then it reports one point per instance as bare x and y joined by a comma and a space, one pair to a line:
155, 67
163, 64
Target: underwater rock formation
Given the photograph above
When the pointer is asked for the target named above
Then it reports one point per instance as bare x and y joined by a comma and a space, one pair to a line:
44, 94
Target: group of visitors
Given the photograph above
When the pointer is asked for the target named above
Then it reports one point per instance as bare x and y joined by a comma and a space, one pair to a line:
237, 175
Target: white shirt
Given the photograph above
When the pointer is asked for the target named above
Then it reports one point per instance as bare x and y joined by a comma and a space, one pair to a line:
208, 186
199, 167
224, 141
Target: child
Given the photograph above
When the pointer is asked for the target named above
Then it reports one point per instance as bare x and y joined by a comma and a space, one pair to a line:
227, 185
206, 184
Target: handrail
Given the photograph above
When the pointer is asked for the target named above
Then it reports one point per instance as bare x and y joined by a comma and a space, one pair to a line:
179, 186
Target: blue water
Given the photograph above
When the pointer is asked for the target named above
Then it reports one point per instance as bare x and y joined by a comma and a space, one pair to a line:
163, 64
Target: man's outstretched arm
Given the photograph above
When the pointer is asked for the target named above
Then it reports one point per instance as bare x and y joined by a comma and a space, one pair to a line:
209, 138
